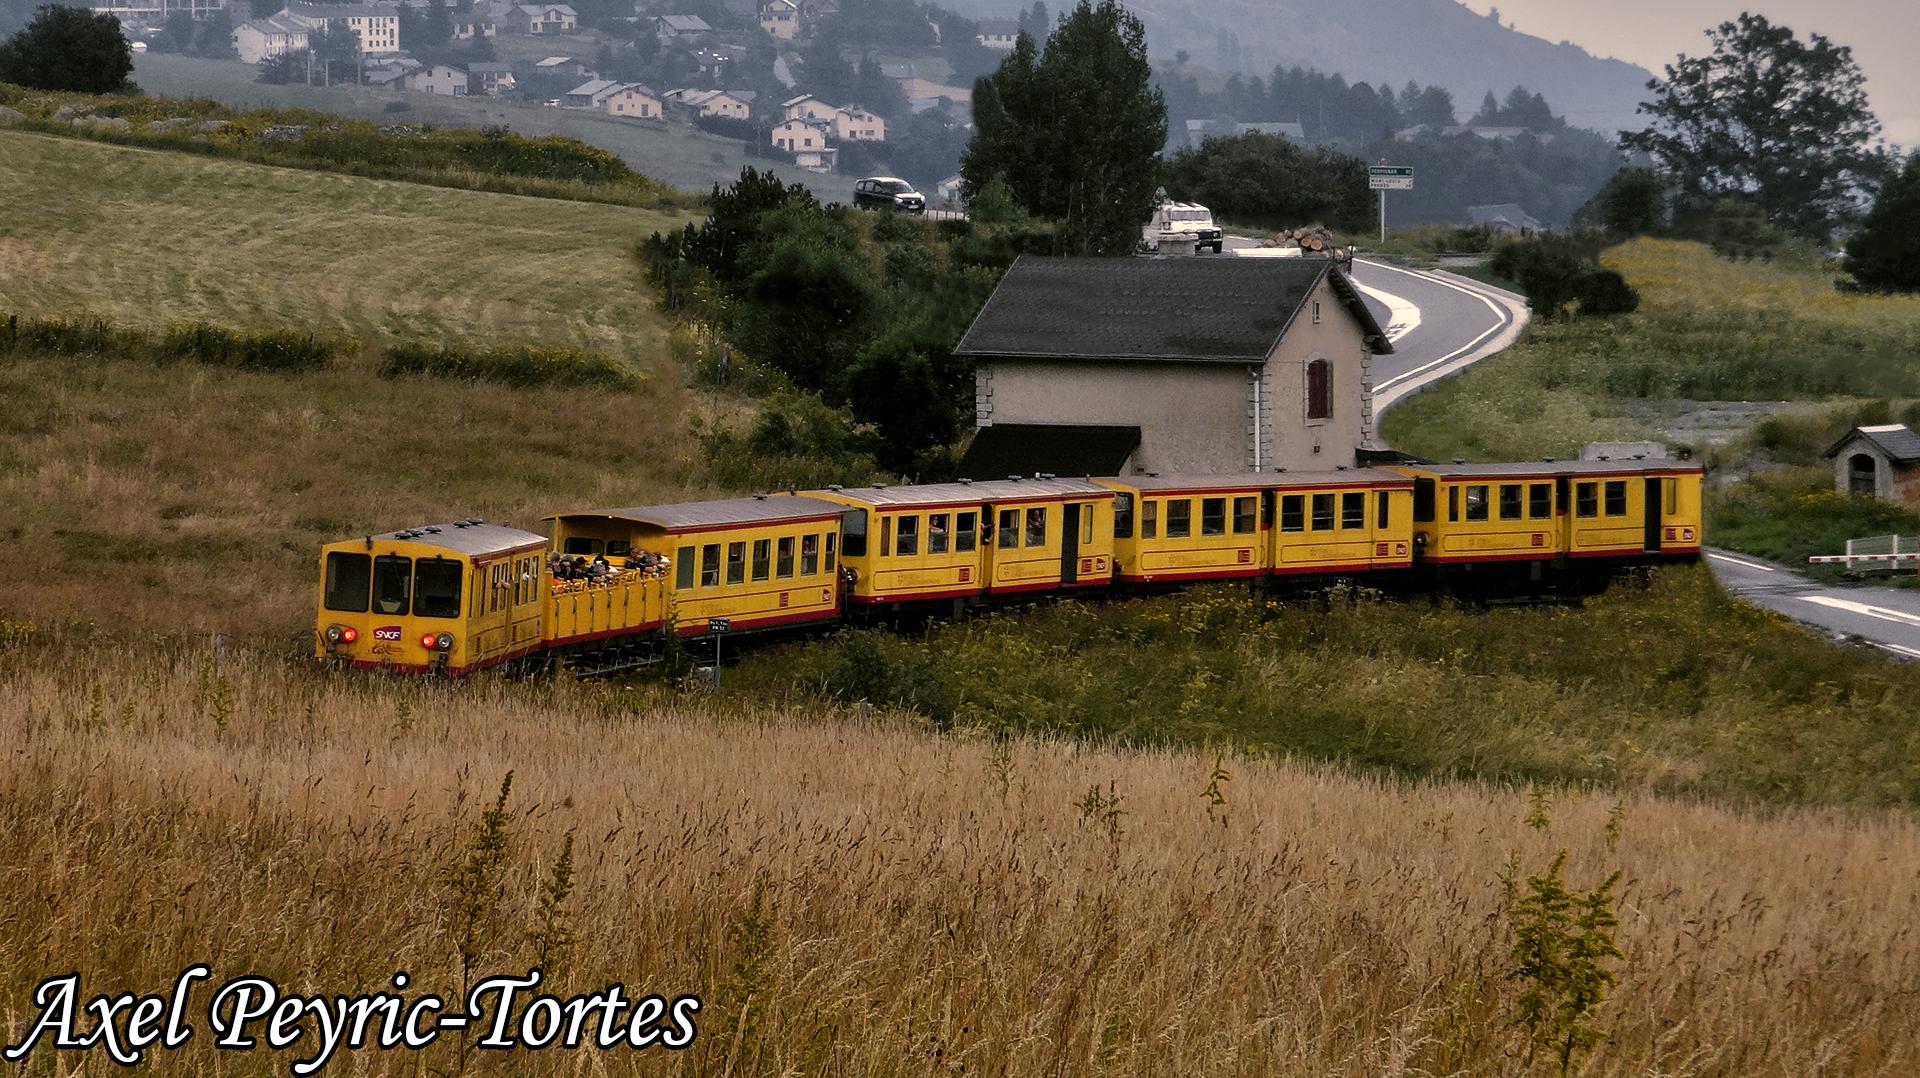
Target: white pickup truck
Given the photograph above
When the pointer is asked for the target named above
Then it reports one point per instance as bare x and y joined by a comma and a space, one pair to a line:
1180, 221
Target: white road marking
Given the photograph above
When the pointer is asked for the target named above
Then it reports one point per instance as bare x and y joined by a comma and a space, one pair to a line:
1498, 311
1898, 649
1744, 564
1403, 317
1898, 617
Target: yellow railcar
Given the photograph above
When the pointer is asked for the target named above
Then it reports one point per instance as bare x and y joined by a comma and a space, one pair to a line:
758, 562
967, 539
443, 597
1345, 521
1192, 527
1488, 513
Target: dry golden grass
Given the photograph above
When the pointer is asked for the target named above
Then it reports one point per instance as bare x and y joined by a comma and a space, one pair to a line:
915, 915
149, 238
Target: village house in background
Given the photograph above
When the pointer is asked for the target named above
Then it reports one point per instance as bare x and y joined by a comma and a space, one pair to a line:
1879, 462
261, 39
726, 104
1505, 218
495, 80
1112, 366
375, 26
781, 19
443, 79
635, 102
541, 19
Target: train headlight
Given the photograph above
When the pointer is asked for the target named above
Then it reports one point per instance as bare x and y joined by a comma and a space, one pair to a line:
341, 634
443, 642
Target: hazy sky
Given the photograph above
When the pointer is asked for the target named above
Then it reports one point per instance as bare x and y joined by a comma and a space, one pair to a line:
1884, 35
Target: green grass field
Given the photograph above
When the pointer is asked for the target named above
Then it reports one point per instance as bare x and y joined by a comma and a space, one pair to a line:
1707, 329
152, 238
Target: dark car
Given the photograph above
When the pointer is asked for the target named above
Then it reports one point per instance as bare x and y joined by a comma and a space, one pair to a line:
888, 193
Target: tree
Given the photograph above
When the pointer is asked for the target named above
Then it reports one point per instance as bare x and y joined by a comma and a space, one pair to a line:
1768, 116
1076, 132
1265, 180
66, 48
179, 32
1633, 203
1884, 256
215, 38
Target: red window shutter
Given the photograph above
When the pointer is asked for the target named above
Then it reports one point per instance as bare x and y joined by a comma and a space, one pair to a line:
1320, 389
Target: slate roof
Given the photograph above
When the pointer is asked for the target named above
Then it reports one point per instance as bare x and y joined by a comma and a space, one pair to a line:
1900, 444
1001, 489
1197, 310
728, 511
1560, 467
685, 24
1006, 449
1267, 480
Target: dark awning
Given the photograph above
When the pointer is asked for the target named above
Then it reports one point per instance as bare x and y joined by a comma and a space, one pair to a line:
1064, 449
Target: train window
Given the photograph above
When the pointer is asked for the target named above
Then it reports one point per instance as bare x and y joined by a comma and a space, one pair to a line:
853, 534
965, 527
1179, 518
1009, 529
1149, 519
1586, 500
1353, 509
909, 532
1213, 516
762, 558
1616, 497
436, 587
829, 564
886, 536
1037, 526
683, 568
1244, 522
1086, 524
580, 545
392, 578
1322, 512
1510, 501
937, 537
736, 563
710, 565
348, 577
783, 567
1423, 501
1670, 496
1453, 502
1477, 501
1123, 516
1381, 501
1540, 501
618, 548
1293, 513
809, 555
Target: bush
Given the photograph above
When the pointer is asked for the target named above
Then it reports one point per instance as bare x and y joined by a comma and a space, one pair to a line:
194, 342
524, 365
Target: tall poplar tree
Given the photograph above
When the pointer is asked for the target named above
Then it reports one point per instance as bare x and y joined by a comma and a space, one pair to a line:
1075, 133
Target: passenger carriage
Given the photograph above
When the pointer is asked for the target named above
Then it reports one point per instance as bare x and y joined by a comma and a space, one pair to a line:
759, 562
1551, 513
963, 540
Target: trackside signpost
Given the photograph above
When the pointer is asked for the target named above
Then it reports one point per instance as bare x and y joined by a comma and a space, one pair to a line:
1383, 178
717, 627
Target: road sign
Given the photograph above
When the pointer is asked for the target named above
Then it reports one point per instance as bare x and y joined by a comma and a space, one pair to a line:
1390, 177
719, 625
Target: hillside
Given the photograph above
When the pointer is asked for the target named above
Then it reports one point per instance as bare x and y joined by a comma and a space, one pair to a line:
155, 237
678, 155
1436, 42
206, 491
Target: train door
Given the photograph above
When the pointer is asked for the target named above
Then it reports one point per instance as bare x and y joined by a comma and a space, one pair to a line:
1653, 514
1070, 542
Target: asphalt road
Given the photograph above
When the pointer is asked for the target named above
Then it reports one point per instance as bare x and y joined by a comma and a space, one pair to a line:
1885, 618
1439, 323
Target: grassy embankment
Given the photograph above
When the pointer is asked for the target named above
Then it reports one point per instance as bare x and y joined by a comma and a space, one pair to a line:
1707, 329
853, 897
190, 498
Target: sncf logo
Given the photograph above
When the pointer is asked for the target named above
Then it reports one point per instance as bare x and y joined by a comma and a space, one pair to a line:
387, 632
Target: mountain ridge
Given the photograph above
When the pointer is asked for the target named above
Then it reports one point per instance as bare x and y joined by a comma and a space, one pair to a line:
1432, 42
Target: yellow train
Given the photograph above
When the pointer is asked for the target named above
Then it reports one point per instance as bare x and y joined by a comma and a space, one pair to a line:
457, 597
